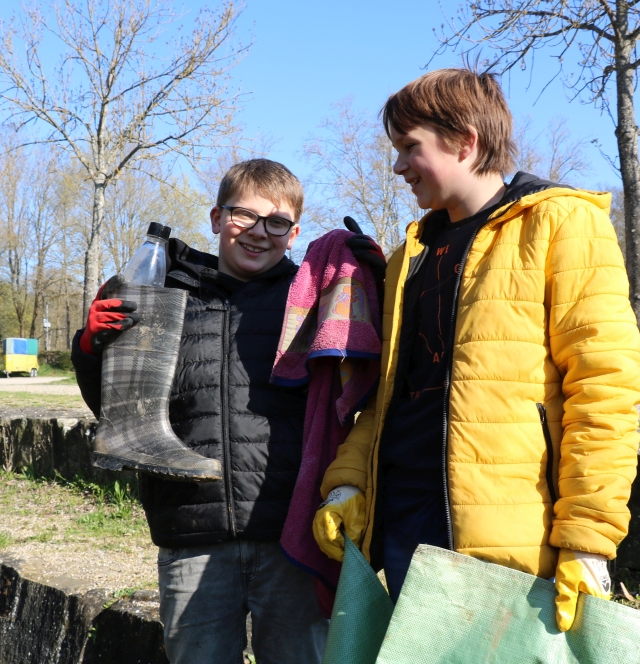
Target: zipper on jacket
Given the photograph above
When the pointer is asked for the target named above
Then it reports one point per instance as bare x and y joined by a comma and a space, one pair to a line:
224, 403
447, 385
414, 263
542, 411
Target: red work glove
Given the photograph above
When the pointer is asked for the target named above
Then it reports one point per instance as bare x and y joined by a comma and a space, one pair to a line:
366, 250
108, 317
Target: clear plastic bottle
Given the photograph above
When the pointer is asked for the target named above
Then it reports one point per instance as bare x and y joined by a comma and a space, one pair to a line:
148, 266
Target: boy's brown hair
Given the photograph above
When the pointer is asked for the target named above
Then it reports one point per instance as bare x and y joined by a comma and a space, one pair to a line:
451, 100
269, 179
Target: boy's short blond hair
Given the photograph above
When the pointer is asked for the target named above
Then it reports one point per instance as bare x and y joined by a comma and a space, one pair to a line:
269, 179
450, 101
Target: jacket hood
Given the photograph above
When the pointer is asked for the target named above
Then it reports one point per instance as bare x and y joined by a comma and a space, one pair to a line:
526, 190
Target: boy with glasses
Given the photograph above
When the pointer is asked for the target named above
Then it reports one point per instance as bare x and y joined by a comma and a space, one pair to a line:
219, 555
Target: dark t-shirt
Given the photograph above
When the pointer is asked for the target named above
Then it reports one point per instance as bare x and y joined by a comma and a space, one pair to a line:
412, 445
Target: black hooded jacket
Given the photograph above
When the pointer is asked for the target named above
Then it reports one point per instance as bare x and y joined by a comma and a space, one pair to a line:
223, 406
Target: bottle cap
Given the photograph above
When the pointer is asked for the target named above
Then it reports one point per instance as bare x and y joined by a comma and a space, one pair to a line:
158, 230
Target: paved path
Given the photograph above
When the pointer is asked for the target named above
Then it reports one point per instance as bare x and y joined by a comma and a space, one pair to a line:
40, 385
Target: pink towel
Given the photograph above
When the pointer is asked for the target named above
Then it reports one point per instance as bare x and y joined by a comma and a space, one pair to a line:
332, 315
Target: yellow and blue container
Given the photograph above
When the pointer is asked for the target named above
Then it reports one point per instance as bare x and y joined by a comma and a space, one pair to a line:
20, 355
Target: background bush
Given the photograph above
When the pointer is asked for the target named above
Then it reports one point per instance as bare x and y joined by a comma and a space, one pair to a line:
60, 359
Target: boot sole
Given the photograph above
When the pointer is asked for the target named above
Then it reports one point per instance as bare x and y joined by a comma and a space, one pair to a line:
109, 462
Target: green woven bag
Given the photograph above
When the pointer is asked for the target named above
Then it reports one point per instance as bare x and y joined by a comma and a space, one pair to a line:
454, 609
361, 613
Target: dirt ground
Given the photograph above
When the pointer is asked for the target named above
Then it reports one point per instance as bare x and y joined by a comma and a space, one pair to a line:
68, 536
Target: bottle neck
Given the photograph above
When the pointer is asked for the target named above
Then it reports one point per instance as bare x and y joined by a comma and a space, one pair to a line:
156, 240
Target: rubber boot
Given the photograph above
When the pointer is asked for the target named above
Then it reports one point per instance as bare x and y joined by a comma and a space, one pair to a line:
137, 372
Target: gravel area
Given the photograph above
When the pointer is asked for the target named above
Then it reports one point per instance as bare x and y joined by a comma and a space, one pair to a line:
46, 411
58, 535
81, 569
42, 397
38, 386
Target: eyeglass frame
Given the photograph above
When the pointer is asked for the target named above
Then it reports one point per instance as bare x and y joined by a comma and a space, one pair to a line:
231, 208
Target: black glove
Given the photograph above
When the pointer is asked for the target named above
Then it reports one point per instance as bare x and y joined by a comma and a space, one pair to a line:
366, 250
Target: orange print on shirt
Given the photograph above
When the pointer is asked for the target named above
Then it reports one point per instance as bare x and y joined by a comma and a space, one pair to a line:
437, 358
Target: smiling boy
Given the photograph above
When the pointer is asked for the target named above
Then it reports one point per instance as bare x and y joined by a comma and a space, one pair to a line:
504, 426
247, 252
219, 554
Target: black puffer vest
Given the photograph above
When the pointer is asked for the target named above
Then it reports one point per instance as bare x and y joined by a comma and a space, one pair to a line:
223, 407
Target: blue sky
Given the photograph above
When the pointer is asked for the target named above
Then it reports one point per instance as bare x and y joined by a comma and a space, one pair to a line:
309, 54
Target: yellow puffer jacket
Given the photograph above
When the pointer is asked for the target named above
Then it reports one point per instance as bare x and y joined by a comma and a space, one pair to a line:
543, 317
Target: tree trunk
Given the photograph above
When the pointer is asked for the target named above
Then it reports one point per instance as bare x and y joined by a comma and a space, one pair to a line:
67, 309
37, 297
36, 302
627, 135
92, 257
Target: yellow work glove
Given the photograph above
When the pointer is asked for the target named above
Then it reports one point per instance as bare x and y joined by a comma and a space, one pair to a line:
579, 572
343, 506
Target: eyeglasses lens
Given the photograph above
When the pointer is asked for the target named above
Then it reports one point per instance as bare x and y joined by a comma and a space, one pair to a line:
277, 226
273, 225
244, 217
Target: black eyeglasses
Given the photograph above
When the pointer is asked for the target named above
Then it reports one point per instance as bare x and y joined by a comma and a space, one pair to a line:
243, 218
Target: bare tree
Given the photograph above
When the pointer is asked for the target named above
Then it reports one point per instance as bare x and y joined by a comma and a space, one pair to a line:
16, 249
529, 156
129, 203
186, 210
119, 96
353, 162
43, 227
137, 199
73, 204
603, 36
29, 227
554, 153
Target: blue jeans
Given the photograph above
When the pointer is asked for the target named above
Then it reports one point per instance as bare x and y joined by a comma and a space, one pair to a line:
207, 591
397, 558
398, 551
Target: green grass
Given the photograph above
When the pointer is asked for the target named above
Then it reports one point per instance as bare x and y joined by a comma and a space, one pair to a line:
5, 540
119, 594
77, 522
109, 515
69, 380
47, 370
34, 400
